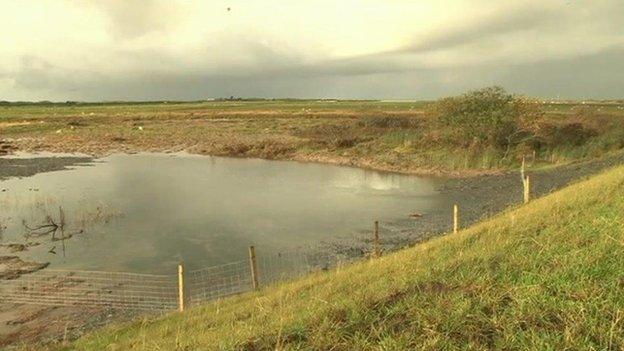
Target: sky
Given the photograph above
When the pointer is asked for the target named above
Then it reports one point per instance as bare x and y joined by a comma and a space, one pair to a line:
100, 50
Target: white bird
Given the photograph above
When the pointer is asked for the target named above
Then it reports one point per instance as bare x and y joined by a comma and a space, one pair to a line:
140, 128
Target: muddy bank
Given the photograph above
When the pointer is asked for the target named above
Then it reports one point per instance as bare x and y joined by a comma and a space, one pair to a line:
11, 267
22, 325
26, 167
478, 198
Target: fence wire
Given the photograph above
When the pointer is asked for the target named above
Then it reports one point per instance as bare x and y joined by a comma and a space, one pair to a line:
134, 291
285, 265
89, 288
233, 278
218, 281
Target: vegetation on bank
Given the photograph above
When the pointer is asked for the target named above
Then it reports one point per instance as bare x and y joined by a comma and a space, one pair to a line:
481, 131
543, 276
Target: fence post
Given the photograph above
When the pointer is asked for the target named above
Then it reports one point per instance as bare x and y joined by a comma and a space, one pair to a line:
376, 248
455, 218
522, 168
254, 267
527, 189
181, 297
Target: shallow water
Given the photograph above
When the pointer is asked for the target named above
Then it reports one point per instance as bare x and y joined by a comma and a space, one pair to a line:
145, 212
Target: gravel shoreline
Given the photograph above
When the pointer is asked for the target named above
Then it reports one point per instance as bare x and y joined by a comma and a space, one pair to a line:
478, 198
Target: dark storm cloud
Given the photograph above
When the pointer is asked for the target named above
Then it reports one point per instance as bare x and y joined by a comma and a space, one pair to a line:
514, 20
561, 65
600, 76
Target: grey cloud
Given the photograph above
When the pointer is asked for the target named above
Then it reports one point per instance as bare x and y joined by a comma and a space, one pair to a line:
597, 75
131, 19
261, 70
512, 20
38, 76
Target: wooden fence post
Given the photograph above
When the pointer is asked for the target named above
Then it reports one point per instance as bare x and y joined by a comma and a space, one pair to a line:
181, 297
254, 267
527, 189
523, 168
376, 248
455, 218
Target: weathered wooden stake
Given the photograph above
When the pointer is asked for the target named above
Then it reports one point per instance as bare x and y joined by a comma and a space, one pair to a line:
522, 168
527, 189
181, 297
254, 267
455, 218
376, 248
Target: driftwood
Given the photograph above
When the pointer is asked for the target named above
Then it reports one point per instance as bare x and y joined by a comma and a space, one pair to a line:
51, 227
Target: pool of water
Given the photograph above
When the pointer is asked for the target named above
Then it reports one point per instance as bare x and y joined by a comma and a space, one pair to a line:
146, 212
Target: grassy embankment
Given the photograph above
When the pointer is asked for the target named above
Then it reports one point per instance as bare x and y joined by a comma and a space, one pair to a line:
548, 275
396, 136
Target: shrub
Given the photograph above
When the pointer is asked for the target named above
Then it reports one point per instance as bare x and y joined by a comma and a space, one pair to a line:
489, 117
573, 134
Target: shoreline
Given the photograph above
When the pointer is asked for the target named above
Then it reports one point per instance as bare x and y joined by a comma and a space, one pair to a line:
100, 151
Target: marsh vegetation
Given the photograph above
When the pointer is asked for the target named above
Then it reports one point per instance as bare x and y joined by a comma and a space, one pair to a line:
483, 131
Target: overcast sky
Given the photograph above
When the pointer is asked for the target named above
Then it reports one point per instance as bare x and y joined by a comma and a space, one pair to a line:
386, 49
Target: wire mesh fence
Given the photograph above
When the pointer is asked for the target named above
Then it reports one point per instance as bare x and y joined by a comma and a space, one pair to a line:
218, 281
280, 266
90, 288
134, 291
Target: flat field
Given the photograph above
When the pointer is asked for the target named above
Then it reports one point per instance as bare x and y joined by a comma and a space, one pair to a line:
385, 135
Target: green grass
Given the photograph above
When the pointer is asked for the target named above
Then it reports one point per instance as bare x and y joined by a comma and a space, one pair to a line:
544, 276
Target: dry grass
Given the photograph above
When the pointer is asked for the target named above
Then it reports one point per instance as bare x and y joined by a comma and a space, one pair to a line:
395, 136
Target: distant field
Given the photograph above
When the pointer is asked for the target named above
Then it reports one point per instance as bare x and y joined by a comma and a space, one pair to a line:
292, 106
385, 135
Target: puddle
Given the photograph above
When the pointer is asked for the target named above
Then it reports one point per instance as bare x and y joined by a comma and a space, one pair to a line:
145, 212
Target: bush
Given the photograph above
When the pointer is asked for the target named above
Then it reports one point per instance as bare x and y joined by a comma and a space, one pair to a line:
489, 117
572, 134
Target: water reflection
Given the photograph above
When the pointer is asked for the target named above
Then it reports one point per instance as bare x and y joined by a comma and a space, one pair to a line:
145, 212
367, 181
